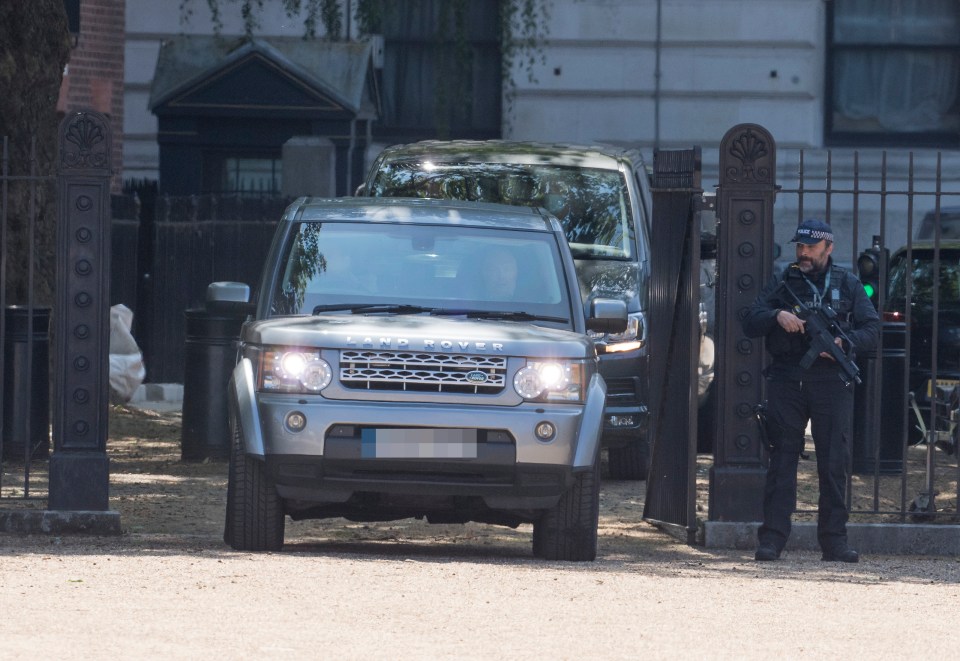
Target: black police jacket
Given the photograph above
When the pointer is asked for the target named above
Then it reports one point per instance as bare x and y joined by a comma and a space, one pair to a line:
855, 313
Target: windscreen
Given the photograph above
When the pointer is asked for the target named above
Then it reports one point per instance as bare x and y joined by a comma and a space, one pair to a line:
593, 205
449, 267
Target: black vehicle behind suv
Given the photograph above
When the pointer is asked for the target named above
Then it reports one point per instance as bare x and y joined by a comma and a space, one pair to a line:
924, 284
602, 198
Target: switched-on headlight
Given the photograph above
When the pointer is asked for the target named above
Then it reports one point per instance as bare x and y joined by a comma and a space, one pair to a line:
550, 381
294, 370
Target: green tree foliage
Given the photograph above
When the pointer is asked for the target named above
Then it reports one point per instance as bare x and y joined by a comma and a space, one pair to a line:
523, 29
329, 13
34, 47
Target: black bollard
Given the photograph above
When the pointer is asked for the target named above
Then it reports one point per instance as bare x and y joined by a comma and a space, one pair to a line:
879, 448
210, 356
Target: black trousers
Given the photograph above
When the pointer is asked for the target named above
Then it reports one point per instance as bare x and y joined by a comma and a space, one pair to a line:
828, 405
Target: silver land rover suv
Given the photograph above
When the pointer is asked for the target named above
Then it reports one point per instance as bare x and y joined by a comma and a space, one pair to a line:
418, 358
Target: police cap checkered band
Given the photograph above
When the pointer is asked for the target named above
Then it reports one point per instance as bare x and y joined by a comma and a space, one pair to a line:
813, 231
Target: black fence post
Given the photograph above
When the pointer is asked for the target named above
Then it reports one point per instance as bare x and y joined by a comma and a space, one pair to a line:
745, 262
79, 467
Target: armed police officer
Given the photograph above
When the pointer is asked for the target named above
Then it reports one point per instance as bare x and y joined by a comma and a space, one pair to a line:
810, 384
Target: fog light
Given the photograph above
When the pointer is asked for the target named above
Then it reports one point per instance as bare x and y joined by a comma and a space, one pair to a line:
296, 421
545, 431
621, 421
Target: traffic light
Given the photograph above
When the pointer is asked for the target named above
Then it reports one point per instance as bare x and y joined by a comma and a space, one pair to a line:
870, 265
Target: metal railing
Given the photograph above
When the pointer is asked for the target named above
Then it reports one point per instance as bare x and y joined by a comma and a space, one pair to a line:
24, 418
905, 474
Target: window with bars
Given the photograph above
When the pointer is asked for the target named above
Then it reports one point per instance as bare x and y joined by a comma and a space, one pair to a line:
436, 82
251, 176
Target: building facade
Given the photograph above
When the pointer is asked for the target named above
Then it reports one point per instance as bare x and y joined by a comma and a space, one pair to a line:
859, 86
862, 87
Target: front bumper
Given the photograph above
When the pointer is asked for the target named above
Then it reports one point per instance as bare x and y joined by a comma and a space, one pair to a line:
328, 460
498, 482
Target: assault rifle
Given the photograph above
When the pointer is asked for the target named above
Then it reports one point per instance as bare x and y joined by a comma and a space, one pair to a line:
822, 328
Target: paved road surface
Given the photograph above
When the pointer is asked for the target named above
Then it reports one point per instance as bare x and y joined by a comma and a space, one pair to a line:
390, 595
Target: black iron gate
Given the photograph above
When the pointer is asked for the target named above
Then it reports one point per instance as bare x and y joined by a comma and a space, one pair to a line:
24, 406
907, 416
674, 345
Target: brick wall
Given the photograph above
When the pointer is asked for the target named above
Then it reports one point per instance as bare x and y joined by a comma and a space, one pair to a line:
94, 77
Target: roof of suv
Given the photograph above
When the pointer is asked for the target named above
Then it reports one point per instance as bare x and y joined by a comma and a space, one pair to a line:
949, 227
924, 246
506, 151
420, 211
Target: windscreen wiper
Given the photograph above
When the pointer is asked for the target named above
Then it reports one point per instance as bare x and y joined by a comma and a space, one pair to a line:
374, 308
511, 315
371, 308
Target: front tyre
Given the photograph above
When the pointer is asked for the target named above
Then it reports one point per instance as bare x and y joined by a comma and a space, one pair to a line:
254, 518
569, 530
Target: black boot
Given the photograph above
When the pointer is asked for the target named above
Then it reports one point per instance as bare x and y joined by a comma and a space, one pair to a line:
766, 553
841, 554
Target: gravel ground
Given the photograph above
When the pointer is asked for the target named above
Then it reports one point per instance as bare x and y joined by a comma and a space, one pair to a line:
169, 588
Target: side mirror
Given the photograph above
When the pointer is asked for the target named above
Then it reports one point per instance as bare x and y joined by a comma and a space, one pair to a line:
607, 315
228, 297
361, 190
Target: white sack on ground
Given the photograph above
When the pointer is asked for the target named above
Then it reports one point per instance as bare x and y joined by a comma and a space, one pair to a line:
126, 361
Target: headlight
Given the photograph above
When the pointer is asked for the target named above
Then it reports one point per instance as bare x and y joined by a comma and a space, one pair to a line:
294, 370
634, 337
556, 381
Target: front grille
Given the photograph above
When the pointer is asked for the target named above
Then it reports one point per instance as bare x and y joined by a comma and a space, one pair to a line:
621, 388
422, 372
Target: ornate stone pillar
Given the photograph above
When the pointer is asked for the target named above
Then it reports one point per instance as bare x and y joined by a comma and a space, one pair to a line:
745, 262
79, 467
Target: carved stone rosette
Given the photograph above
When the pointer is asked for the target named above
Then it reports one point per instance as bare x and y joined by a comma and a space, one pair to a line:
85, 142
747, 156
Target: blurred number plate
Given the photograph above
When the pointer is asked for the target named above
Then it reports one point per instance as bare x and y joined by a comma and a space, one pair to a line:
406, 443
946, 384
